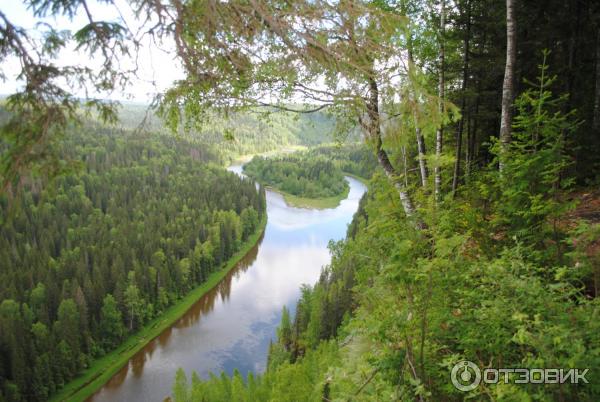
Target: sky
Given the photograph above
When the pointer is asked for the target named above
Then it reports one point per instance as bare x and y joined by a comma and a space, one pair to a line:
157, 68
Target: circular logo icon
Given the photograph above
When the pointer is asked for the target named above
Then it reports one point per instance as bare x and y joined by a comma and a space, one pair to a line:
465, 375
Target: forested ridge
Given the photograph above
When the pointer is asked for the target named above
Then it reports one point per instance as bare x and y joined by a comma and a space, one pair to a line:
478, 239
243, 134
91, 257
394, 311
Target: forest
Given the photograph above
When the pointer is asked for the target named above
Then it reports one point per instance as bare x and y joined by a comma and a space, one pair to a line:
244, 133
299, 174
478, 240
89, 259
352, 158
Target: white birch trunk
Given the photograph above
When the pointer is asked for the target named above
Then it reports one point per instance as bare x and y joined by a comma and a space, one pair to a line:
509, 77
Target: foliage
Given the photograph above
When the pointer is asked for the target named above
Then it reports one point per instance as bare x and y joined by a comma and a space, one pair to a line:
43, 109
491, 272
398, 306
529, 204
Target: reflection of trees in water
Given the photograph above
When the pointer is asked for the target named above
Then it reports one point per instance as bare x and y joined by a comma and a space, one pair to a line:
163, 340
203, 306
117, 379
137, 364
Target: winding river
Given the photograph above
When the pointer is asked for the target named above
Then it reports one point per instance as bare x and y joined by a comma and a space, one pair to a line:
231, 326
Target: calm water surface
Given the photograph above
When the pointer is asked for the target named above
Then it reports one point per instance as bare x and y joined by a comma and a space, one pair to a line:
230, 327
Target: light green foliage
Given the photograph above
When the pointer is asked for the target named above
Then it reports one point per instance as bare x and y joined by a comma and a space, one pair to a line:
284, 332
66, 328
249, 221
530, 203
495, 278
180, 387
298, 382
133, 303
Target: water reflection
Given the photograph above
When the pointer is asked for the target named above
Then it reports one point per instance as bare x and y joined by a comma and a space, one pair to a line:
231, 326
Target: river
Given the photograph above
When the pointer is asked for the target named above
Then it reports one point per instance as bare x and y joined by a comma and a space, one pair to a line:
231, 326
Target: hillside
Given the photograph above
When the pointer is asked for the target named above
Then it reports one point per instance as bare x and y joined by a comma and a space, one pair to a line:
398, 308
242, 134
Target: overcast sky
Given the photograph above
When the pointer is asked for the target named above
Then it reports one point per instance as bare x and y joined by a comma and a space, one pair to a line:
157, 68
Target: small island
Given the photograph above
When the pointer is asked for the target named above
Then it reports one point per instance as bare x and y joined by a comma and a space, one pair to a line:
304, 180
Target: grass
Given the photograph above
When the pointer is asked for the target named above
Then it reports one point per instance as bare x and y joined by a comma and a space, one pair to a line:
318, 203
103, 369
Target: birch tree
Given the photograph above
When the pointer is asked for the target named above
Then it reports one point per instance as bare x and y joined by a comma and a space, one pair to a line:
421, 148
263, 55
509, 78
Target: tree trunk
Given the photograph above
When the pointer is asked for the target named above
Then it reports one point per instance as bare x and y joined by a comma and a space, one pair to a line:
463, 103
390, 172
374, 131
439, 135
468, 150
472, 131
574, 26
596, 120
509, 77
421, 150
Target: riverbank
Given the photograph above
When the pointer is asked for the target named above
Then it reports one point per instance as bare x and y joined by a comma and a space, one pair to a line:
313, 203
318, 203
359, 178
103, 369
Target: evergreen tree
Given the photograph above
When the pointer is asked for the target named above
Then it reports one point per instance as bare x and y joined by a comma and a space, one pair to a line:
111, 322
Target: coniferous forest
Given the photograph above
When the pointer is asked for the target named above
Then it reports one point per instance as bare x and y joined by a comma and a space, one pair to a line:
474, 249
89, 259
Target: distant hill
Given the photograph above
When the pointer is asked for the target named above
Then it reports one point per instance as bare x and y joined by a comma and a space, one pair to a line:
244, 133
